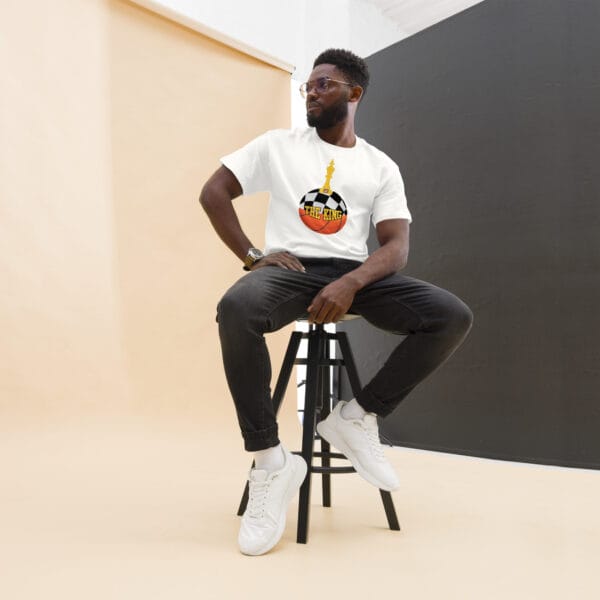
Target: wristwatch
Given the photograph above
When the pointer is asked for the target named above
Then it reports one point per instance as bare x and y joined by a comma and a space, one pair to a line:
254, 255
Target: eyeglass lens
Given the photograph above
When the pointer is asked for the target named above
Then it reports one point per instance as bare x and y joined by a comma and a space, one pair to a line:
320, 85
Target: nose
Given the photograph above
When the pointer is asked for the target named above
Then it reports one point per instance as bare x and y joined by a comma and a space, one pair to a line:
311, 94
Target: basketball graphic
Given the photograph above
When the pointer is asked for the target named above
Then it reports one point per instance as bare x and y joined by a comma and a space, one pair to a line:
323, 213
322, 209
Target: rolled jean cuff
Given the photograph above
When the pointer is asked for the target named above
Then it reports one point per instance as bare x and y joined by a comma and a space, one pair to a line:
374, 405
261, 440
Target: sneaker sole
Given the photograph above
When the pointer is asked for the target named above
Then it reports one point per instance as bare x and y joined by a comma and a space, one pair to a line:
331, 436
300, 471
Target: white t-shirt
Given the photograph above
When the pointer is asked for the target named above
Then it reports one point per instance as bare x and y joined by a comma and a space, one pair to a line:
322, 196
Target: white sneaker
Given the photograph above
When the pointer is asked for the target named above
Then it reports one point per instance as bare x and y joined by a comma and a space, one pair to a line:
270, 494
358, 440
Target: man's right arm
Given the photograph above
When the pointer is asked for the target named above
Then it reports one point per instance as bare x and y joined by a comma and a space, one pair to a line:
217, 198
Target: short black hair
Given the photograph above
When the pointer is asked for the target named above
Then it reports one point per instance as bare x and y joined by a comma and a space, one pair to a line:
352, 66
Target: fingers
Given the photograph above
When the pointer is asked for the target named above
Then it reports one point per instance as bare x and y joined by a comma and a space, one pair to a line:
325, 315
324, 312
293, 263
285, 260
324, 308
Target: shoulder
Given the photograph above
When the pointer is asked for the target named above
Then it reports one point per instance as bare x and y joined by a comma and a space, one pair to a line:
378, 158
376, 154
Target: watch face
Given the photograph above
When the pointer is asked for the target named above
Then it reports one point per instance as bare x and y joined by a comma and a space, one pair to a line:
255, 254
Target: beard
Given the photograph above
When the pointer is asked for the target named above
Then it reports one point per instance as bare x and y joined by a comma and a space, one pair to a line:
329, 117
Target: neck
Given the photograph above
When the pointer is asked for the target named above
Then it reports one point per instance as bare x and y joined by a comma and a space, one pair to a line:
341, 134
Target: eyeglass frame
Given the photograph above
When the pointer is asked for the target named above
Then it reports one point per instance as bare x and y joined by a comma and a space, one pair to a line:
304, 90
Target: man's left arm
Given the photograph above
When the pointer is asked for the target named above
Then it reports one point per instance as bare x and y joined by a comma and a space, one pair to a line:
334, 300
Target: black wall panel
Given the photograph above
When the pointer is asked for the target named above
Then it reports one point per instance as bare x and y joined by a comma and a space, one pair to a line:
494, 118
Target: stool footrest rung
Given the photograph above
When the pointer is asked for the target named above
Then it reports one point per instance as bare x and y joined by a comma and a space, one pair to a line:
324, 334
329, 455
327, 362
323, 454
329, 469
315, 469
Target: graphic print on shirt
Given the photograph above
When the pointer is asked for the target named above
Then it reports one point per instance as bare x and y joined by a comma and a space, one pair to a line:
322, 209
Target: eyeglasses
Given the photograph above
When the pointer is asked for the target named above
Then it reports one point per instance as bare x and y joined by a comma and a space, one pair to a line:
320, 85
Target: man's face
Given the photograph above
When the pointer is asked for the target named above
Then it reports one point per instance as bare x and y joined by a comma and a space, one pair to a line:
328, 108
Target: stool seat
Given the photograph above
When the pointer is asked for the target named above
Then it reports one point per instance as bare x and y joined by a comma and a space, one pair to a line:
319, 402
345, 317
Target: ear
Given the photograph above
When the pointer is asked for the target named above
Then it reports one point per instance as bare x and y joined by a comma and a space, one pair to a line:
356, 93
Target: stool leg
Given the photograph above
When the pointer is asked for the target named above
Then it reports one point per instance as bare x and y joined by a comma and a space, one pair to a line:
245, 497
348, 358
326, 477
286, 369
280, 387
325, 396
349, 363
390, 511
308, 432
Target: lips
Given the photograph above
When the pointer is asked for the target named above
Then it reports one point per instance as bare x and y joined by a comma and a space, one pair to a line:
312, 106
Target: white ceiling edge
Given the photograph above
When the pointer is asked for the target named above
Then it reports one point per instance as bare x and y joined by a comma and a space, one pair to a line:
186, 13
289, 34
415, 15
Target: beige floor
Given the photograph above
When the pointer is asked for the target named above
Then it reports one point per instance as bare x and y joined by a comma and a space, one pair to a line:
128, 509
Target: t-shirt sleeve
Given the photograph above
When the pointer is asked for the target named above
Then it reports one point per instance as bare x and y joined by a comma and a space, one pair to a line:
250, 164
390, 200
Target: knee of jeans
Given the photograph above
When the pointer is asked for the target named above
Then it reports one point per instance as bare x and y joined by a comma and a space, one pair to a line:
460, 318
235, 309
454, 316
229, 308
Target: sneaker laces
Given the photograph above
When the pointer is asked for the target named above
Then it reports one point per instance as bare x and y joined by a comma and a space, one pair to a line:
259, 490
373, 437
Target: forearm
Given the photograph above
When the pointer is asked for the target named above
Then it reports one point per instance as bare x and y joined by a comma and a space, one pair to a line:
389, 258
219, 208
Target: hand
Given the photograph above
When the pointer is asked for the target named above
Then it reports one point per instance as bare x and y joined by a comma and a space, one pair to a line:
279, 259
332, 302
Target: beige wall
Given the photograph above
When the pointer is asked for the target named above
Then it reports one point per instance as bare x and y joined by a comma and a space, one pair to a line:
111, 119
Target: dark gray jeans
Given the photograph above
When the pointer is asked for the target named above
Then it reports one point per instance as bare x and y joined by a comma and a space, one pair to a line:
264, 300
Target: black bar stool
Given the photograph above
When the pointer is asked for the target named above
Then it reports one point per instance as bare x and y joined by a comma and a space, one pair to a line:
318, 400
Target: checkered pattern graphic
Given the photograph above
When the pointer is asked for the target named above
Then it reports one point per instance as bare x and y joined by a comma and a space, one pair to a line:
321, 201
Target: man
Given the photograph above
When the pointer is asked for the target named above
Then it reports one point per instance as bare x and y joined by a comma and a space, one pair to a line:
326, 185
